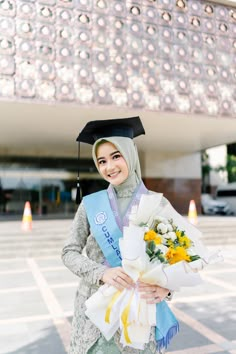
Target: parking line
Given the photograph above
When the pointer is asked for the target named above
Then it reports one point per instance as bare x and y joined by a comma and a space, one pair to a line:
64, 285
199, 327
199, 298
14, 271
206, 349
219, 282
61, 323
19, 289
219, 271
230, 261
26, 319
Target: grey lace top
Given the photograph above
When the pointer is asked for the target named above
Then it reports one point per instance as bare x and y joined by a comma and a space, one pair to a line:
90, 268
125, 191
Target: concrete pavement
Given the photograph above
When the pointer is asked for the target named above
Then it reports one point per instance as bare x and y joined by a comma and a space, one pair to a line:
37, 292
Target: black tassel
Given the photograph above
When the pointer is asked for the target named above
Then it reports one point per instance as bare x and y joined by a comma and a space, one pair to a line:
78, 190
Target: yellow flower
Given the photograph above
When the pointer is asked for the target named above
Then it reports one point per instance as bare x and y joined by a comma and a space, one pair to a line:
170, 243
185, 241
170, 253
177, 254
157, 240
150, 235
178, 233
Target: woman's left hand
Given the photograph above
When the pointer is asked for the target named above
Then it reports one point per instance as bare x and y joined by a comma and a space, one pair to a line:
152, 293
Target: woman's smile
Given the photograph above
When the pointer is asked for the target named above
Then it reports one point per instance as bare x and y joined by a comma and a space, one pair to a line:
113, 174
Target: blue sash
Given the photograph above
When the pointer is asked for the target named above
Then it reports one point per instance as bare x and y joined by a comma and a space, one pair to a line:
103, 225
107, 234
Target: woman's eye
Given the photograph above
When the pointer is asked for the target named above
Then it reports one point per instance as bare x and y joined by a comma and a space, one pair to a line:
117, 156
101, 162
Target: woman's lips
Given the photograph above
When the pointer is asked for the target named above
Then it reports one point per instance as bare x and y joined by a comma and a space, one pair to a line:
114, 174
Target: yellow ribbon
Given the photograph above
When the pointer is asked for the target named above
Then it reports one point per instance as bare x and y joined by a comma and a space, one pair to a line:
124, 319
109, 307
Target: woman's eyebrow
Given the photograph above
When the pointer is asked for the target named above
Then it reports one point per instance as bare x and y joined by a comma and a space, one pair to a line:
113, 153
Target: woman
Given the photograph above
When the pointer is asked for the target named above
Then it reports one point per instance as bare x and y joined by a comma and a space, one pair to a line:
117, 162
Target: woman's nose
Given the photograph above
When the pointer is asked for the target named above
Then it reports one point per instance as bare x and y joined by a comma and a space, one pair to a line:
110, 164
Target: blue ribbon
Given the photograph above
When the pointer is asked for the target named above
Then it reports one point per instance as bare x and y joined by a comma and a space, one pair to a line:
167, 325
103, 225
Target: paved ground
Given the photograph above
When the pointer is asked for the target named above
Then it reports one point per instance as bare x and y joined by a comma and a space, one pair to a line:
37, 292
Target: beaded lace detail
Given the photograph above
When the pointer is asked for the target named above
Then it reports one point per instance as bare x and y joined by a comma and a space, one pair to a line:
127, 188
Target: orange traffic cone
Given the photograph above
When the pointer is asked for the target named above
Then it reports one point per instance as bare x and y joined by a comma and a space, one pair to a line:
192, 213
27, 218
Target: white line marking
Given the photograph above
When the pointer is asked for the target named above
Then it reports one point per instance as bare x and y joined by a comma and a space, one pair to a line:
64, 285
61, 323
14, 271
25, 319
206, 349
219, 271
199, 298
48, 296
230, 261
29, 319
22, 259
25, 270
33, 288
52, 269
219, 282
13, 259
18, 289
199, 327
46, 257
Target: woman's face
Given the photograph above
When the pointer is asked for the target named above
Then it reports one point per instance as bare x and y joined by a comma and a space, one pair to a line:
111, 164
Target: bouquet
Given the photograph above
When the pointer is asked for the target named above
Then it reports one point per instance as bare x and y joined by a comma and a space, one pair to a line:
158, 247
167, 244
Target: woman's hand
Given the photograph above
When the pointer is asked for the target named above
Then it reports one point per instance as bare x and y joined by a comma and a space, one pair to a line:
152, 293
118, 278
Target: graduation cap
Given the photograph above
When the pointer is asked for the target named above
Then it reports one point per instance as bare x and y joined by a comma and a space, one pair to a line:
96, 129
127, 127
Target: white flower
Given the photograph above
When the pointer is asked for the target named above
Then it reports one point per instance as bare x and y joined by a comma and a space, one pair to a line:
162, 248
191, 251
162, 228
169, 227
165, 237
161, 219
146, 229
171, 235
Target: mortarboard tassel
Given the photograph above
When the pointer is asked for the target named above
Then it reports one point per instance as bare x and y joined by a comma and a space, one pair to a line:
78, 191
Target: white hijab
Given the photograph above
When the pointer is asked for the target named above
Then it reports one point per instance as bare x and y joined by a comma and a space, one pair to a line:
128, 149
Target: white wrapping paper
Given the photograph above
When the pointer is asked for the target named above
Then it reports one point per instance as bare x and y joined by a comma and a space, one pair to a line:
110, 309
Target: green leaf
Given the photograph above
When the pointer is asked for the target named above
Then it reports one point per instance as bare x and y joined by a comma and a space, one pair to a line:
149, 252
194, 258
142, 224
152, 246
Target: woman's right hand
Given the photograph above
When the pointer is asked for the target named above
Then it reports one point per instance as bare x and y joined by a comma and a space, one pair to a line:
118, 278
